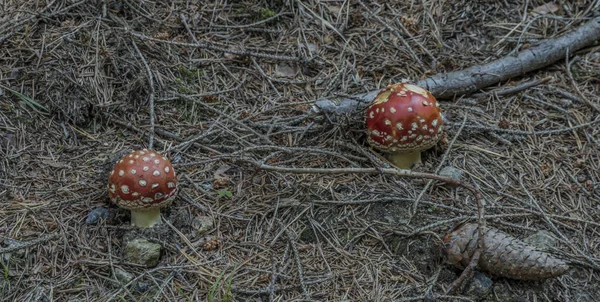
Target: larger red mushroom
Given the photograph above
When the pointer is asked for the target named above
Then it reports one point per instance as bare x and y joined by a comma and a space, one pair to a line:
404, 120
143, 182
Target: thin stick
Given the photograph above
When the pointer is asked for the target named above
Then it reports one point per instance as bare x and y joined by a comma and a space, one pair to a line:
226, 116
570, 75
292, 242
151, 96
515, 89
25, 244
521, 132
395, 33
403, 173
225, 50
437, 170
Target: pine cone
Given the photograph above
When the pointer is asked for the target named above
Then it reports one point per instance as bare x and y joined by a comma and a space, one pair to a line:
503, 255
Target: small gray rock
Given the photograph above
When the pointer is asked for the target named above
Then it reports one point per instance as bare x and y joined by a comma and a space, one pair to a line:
479, 287
142, 251
123, 275
142, 287
203, 223
97, 214
449, 171
541, 239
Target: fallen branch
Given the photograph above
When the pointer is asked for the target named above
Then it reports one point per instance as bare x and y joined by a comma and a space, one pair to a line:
457, 83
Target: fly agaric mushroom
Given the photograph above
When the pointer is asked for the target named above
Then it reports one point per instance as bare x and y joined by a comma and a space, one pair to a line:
404, 120
143, 182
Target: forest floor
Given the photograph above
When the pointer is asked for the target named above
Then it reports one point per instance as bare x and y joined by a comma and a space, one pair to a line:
225, 89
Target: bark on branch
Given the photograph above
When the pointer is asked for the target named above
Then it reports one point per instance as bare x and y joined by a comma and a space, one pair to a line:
457, 83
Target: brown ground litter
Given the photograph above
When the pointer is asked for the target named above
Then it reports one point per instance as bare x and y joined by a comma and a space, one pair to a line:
224, 90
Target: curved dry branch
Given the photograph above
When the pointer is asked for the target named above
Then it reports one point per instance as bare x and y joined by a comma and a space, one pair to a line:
448, 85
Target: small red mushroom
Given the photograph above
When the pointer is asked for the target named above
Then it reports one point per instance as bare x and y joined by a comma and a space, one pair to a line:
143, 182
404, 120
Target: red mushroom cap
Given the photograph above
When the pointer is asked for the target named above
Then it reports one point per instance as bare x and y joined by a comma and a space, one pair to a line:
142, 180
403, 118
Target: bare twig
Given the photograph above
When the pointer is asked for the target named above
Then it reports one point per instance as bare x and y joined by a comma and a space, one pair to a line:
292, 243
402, 173
437, 170
226, 116
208, 46
150, 96
25, 244
570, 75
395, 32
514, 89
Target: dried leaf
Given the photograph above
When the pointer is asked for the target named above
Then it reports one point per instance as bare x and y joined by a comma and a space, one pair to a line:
55, 164
546, 8
285, 71
220, 178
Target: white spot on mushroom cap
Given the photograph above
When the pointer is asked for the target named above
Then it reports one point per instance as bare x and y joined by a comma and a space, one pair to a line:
152, 154
147, 199
167, 169
133, 171
155, 185
399, 126
135, 194
415, 89
121, 172
156, 161
372, 114
158, 196
125, 189
112, 172
145, 158
170, 185
434, 122
131, 162
145, 168
414, 126
142, 183
387, 122
393, 110
156, 173
409, 109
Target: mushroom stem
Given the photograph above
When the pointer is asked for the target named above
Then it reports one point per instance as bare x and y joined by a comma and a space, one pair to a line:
145, 219
405, 160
